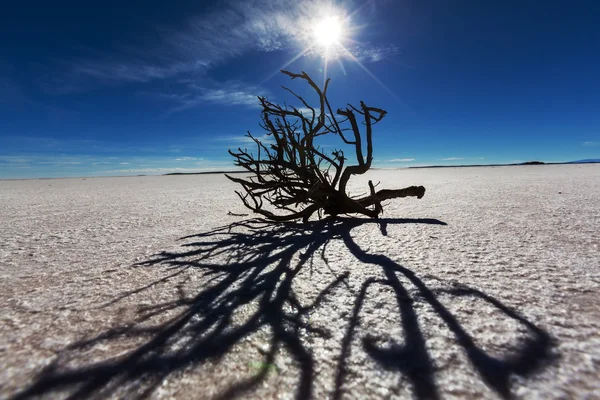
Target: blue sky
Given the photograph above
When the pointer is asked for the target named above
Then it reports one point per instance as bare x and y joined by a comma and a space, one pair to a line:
148, 87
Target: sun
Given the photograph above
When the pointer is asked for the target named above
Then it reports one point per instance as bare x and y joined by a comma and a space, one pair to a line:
328, 31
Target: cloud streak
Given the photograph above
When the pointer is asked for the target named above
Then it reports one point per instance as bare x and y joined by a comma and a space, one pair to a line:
242, 140
204, 42
31, 166
401, 160
229, 93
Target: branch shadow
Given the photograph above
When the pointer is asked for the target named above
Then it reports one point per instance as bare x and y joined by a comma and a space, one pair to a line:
413, 360
254, 262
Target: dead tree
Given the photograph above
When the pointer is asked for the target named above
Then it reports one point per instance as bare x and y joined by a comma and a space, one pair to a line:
297, 177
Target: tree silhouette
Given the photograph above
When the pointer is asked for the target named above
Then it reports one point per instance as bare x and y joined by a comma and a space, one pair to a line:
297, 177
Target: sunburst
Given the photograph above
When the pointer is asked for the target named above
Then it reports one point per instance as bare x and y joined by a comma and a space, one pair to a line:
328, 32
329, 36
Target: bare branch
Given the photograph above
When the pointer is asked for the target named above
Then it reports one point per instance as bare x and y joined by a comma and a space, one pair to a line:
293, 177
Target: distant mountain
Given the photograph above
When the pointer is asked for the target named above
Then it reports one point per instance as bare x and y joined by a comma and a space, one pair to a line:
532, 163
587, 160
205, 173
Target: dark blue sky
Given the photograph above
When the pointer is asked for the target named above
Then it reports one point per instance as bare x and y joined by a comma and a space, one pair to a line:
136, 87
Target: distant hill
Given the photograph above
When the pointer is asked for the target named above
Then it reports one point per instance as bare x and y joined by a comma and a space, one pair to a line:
587, 160
531, 163
482, 165
204, 173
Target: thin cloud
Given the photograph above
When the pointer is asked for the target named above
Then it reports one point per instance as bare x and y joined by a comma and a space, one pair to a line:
307, 111
243, 139
111, 69
15, 159
204, 42
227, 94
60, 162
188, 159
21, 166
591, 144
226, 97
452, 159
150, 170
400, 160
370, 53
41, 161
134, 70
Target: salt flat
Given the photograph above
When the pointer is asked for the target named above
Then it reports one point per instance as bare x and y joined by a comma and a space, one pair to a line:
488, 287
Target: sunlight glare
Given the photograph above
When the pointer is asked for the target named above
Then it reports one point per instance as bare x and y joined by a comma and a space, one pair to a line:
328, 31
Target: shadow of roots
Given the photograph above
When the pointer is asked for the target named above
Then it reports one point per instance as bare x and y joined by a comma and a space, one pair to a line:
254, 263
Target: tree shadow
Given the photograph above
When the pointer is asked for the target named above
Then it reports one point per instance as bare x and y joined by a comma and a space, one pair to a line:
413, 360
254, 263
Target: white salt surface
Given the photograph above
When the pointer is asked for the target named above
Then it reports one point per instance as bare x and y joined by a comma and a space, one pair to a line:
488, 287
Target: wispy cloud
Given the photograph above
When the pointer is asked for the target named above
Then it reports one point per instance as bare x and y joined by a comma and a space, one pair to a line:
227, 93
402, 160
188, 159
307, 112
204, 42
15, 159
42, 160
241, 140
222, 96
59, 162
367, 53
591, 144
37, 165
38, 144
452, 159
134, 70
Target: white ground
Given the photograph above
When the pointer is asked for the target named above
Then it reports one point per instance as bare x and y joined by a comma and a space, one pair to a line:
504, 299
